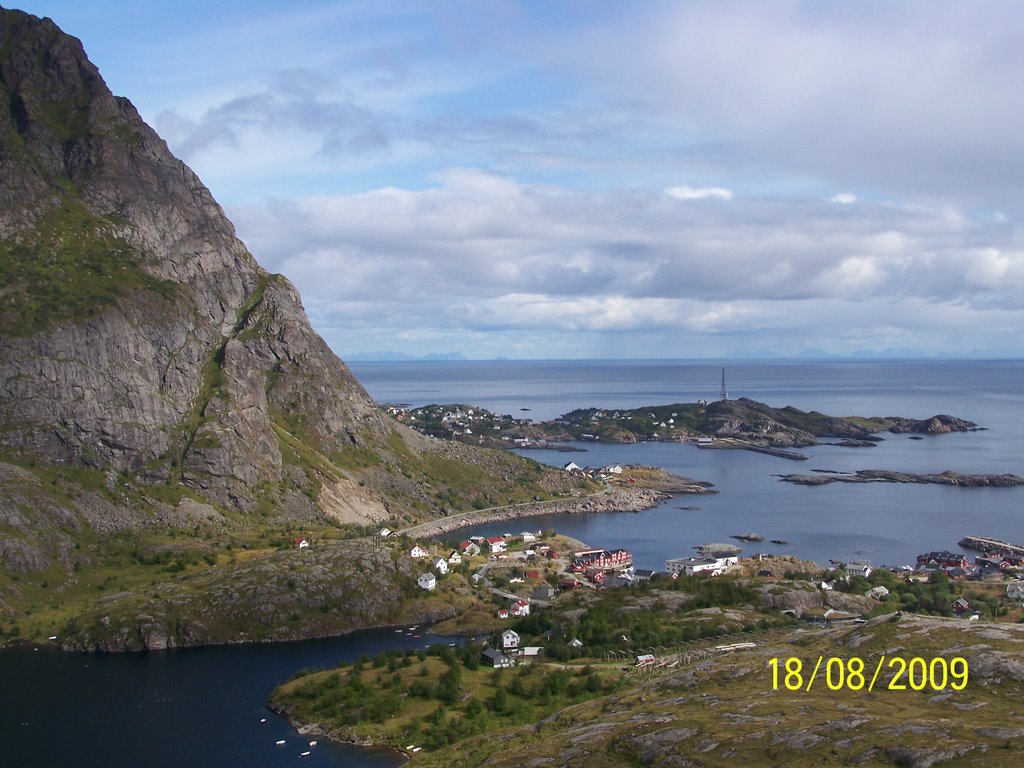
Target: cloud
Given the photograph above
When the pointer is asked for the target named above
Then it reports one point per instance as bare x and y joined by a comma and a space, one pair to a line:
699, 193
295, 100
510, 180
480, 253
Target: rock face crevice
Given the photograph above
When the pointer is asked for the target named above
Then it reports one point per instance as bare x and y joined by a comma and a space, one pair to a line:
137, 333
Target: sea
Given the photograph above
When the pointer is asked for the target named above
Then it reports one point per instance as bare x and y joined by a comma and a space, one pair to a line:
887, 524
206, 707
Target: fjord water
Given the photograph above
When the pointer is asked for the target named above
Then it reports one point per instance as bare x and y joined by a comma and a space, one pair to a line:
196, 707
885, 523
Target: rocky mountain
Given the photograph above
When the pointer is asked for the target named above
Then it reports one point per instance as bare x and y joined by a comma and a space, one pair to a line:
153, 377
139, 334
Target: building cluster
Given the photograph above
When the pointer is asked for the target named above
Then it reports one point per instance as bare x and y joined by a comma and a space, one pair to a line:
603, 474
589, 560
691, 566
958, 566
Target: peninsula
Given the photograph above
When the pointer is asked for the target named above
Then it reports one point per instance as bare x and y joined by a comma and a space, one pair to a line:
737, 424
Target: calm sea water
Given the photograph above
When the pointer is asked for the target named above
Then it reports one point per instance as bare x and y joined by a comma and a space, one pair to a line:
195, 707
203, 707
885, 523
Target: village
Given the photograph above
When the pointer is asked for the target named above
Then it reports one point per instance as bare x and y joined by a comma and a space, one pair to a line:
563, 623
527, 571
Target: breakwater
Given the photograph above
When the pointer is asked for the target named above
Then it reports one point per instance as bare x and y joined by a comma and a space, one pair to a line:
609, 500
991, 546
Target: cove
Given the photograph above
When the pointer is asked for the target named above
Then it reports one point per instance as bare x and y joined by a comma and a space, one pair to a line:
192, 707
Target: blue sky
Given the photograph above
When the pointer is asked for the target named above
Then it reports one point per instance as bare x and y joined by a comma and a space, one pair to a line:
599, 179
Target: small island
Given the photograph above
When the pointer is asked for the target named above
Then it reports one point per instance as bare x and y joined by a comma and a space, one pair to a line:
887, 476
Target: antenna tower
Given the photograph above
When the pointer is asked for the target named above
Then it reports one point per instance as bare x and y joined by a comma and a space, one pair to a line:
724, 395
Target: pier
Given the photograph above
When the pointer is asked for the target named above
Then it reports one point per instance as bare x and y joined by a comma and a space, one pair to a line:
992, 546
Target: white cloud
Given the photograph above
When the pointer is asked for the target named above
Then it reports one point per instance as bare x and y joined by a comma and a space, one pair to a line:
699, 193
508, 180
486, 254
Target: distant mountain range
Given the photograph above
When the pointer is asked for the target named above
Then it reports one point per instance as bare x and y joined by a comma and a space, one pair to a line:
387, 357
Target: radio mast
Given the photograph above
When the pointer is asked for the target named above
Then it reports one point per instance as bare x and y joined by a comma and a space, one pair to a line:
724, 395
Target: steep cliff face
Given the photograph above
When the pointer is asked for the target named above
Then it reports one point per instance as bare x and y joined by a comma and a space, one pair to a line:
138, 333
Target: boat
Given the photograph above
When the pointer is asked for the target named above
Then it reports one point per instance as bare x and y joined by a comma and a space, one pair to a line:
312, 743
279, 742
304, 754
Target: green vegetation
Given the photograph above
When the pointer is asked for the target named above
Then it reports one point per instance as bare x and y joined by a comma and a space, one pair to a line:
72, 265
934, 597
437, 698
721, 706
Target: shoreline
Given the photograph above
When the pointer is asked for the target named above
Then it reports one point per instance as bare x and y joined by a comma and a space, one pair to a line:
609, 500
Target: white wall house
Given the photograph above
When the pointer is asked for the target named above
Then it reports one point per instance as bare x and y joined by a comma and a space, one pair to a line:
427, 581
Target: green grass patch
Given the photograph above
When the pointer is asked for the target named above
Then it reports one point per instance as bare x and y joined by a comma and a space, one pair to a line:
71, 266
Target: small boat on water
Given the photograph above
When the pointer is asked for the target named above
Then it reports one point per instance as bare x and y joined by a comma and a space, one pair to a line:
312, 743
279, 742
304, 754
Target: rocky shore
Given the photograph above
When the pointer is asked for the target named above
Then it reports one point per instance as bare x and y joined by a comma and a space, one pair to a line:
889, 476
616, 499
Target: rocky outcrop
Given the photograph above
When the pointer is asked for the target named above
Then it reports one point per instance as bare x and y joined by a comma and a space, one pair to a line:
328, 589
936, 425
889, 476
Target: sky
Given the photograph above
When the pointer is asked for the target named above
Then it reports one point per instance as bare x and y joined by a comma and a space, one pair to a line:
686, 179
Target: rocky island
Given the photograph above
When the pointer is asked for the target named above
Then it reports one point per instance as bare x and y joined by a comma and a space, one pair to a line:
888, 476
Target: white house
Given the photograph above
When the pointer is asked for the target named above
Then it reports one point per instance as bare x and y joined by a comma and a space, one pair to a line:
572, 466
441, 566
497, 544
509, 640
384, 532
858, 568
1015, 590
418, 551
528, 536
520, 608
427, 581
454, 558
691, 565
